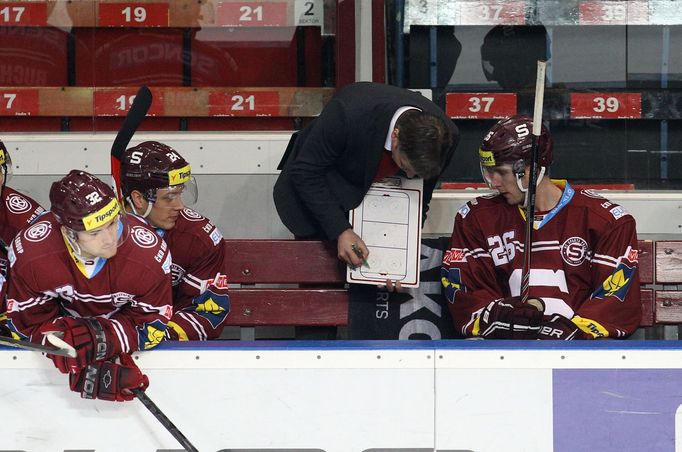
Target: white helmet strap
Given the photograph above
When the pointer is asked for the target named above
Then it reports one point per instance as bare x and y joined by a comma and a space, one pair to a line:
524, 190
150, 205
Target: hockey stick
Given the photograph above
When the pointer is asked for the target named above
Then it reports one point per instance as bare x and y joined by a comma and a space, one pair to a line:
532, 179
136, 114
51, 350
142, 397
158, 414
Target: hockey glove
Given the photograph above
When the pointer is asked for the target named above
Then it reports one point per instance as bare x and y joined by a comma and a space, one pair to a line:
557, 327
508, 318
108, 380
86, 335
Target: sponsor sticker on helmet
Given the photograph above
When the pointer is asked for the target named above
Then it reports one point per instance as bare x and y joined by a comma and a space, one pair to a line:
102, 216
3, 154
486, 157
179, 176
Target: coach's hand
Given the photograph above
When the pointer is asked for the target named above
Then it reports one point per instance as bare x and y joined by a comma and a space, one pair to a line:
347, 241
560, 328
508, 318
108, 380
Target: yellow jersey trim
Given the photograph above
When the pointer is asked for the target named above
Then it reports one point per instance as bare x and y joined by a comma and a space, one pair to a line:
182, 335
591, 327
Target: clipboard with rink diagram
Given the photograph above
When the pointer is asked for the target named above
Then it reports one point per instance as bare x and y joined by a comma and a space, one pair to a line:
389, 222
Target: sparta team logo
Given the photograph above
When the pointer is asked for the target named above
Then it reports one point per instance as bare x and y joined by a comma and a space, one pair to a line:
574, 251
17, 203
144, 237
38, 231
191, 215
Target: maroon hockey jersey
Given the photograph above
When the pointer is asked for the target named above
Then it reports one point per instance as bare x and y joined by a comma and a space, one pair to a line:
132, 289
584, 261
197, 248
16, 212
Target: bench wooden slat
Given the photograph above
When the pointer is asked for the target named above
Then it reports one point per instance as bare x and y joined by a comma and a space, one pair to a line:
668, 306
285, 307
668, 261
646, 261
314, 263
282, 262
647, 300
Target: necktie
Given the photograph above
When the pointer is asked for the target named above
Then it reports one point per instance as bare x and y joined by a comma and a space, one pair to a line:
387, 166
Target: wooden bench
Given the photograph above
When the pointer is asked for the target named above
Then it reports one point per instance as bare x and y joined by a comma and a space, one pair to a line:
258, 265
268, 273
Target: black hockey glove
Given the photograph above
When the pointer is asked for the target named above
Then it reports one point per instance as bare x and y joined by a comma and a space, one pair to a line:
559, 328
508, 318
107, 380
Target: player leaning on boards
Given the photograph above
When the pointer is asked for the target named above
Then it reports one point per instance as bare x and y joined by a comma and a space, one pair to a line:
95, 277
16, 212
157, 183
583, 279
366, 132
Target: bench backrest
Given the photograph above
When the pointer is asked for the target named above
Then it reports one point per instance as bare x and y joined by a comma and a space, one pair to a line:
322, 301
322, 298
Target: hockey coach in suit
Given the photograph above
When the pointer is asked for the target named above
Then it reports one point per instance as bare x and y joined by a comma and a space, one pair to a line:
366, 132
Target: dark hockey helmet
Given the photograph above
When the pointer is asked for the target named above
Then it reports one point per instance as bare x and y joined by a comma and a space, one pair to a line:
150, 166
510, 140
82, 202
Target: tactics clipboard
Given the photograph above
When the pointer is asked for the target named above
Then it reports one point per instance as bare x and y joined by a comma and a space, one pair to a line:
389, 222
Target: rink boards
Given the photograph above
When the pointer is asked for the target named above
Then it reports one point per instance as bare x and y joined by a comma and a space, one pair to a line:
482, 396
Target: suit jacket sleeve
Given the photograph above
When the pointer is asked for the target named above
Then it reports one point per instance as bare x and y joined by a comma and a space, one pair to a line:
320, 151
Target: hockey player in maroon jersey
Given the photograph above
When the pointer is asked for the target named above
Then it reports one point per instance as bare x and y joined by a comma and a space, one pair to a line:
16, 212
93, 277
156, 183
583, 279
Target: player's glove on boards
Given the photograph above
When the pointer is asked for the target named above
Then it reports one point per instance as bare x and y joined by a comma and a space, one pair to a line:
91, 338
557, 327
107, 380
509, 318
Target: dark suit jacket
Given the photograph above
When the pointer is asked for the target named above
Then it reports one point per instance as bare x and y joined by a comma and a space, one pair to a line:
329, 166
